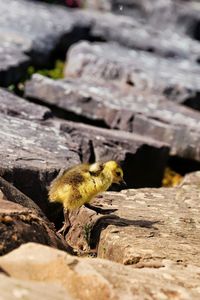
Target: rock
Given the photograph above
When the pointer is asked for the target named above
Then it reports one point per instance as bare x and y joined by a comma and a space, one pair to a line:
9, 192
97, 278
12, 289
162, 33
34, 154
49, 29
137, 68
144, 8
20, 225
141, 158
144, 226
118, 106
42, 26
18, 107
13, 64
44, 29
181, 16
183, 139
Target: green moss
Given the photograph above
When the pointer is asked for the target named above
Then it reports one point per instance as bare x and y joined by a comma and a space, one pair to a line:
55, 73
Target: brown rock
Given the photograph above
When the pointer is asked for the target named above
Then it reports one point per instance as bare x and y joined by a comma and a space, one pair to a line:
86, 279
12, 289
19, 225
149, 225
9, 192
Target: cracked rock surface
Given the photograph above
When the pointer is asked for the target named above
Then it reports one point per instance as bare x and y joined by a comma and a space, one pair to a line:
34, 154
24, 222
118, 106
144, 226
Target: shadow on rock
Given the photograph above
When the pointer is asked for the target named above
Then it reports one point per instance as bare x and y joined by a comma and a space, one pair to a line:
106, 220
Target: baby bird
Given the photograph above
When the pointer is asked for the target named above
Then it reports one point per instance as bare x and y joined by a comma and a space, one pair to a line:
78, 185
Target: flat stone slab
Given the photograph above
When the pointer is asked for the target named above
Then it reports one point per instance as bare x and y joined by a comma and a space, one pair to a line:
30, 31
98, 279
18, 107
122, 107
149, 225
39, 25
46, 29
31, 154
141, 158
163, 31
175, 78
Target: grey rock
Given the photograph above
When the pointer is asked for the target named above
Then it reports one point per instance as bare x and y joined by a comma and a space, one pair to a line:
31, 155
18, 107
30, 33
119, 106
13, 63
39, 25
160, 34
176, 78
141, 158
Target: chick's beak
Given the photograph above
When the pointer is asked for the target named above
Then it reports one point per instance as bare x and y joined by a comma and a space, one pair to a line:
122, 182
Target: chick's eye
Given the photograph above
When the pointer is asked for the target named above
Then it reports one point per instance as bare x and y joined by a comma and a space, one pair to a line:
118, 173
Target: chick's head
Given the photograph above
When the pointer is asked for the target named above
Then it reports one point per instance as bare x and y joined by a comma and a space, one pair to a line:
115, 171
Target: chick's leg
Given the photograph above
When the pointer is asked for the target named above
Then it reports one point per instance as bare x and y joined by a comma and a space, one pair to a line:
67, 223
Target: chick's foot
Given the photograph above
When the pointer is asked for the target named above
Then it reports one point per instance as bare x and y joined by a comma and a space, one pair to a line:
67, 224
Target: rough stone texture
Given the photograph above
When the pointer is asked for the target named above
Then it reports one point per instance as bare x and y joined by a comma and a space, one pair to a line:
182, 15
177, 79
31, 154
47, 29
15, 106
120, 106
40, 26
86, 279
14, 289
9, 192
149, 225
134, 8
20, 225
13, 63
159, 35
62, 27
141, 158
31, 33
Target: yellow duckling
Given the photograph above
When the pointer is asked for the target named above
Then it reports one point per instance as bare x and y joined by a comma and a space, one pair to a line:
78, 185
